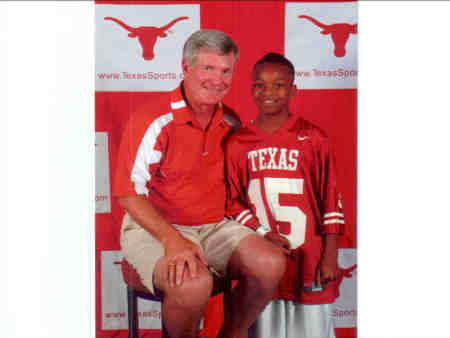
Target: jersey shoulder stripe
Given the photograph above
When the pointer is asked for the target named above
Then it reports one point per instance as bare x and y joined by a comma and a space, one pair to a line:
178, 104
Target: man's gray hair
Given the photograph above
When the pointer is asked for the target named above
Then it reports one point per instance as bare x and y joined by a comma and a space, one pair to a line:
209, 39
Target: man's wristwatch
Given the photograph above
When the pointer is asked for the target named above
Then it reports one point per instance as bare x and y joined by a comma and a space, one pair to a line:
262, 230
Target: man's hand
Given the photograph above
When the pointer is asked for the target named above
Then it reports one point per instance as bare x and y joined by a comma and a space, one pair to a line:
179, 252
279, 241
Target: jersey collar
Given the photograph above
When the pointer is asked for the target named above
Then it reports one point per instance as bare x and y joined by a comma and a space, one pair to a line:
288, 126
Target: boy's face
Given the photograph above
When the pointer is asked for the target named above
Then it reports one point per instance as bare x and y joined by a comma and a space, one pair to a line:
272, 88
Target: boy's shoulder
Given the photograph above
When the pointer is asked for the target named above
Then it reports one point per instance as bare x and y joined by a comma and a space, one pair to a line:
305, 128
240, 140
243, 132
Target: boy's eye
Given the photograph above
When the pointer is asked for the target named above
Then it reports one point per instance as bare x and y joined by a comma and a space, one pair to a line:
257, 85
279, 85
208, 68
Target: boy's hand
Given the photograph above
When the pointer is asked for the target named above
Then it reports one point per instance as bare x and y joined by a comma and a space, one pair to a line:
328, 270
279, 241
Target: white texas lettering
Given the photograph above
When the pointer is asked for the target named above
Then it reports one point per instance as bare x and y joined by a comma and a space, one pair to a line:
283, 164
272, 164
293, 155
261, 153
273, 158
251, 155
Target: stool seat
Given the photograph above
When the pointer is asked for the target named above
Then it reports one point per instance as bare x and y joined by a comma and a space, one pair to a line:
132, 278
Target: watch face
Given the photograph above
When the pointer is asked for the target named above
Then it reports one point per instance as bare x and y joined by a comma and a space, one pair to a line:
262, 230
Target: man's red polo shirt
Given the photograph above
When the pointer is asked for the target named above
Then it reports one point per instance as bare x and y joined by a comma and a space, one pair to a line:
167, 156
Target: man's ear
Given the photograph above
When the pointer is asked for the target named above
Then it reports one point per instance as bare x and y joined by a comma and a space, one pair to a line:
185, 66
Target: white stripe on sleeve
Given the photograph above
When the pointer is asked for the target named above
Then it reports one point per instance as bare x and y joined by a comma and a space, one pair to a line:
331, 221
333, 214
242, 215
244, 221
147, 155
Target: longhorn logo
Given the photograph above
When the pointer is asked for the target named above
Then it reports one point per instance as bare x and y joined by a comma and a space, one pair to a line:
147, 35
340, 32
345, 273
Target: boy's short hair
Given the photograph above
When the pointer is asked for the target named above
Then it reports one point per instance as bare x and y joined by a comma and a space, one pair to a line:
278, 59
209, 39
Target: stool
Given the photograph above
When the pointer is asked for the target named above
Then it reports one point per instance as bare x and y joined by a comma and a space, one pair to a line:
135, 289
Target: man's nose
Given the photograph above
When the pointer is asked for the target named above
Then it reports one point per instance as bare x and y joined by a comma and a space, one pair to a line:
217, 77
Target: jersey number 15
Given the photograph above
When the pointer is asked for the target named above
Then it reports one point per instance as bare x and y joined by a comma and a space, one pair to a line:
293, 215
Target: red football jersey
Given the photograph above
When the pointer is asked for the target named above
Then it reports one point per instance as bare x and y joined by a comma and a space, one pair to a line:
286, 181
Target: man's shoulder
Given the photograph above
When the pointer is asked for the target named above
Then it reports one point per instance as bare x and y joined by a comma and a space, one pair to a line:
155, 109
231, 117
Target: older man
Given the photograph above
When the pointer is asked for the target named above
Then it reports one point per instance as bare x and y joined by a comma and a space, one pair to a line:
170, 180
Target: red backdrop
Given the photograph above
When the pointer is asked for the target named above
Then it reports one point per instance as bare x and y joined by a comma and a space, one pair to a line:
258, 27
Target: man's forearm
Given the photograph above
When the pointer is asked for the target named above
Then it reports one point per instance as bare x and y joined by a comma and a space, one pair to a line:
147, 216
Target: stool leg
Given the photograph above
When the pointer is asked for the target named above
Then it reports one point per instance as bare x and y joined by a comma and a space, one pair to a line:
132, 314
165, 334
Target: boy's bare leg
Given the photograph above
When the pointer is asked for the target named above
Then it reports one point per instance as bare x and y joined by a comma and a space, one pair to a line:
259, 266
184, 305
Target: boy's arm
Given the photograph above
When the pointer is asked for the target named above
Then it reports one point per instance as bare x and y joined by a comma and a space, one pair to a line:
332, 218
237, 207
328, 269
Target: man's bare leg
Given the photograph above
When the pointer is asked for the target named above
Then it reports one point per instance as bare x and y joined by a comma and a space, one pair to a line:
259, 266
183, 305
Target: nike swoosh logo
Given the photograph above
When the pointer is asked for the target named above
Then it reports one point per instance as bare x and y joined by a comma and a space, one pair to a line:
302, 138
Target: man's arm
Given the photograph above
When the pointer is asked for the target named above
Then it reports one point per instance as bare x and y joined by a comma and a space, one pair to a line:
178, 249
137, 162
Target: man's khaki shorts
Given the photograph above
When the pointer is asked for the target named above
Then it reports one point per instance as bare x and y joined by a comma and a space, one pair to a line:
218, 241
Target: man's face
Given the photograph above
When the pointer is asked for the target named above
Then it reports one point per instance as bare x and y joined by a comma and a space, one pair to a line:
208, 80
272, 88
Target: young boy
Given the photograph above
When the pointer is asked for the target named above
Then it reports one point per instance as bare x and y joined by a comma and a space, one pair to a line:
283, 185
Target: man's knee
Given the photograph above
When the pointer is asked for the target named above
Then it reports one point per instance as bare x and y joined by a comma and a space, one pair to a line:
192, 292
255, 257
271, 264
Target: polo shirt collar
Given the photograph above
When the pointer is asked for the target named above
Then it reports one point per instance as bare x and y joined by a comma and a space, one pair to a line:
181, 112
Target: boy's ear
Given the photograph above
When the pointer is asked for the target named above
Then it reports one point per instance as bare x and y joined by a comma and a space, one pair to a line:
293, 91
